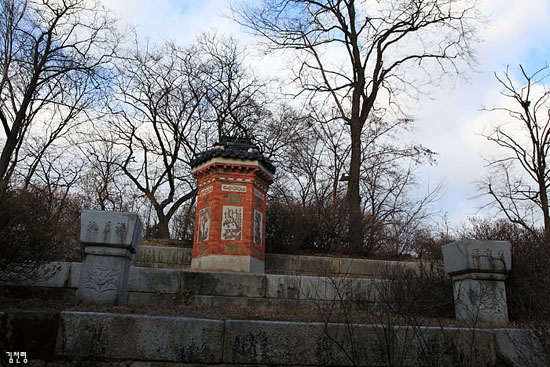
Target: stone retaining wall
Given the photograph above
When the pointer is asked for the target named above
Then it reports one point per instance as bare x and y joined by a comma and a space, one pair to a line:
106, 339
228, 290
163, 257
180, 258
150, 286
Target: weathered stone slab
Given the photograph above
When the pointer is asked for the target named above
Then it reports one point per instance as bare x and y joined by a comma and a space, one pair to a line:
161, 256
311, 264
104, 278
113, 229
223, 284
324, 265
196, 282
154, 280
283, 286
274, 343
74, 275
378, 268
295, 343
54, 274
523, 347
32, 332
222, 262
180, 258
480, 300
477, 256
140, 337
87, 338
321, 288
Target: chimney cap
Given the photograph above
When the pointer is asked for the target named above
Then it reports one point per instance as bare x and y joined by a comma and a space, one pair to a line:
235, 148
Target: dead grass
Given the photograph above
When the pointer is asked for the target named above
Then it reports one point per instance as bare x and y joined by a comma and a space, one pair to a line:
165, 243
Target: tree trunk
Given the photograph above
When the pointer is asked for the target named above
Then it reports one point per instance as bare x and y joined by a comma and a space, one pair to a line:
5, 159
11, 142
355, 224
188, 213
164, 231
163, 221
544, 204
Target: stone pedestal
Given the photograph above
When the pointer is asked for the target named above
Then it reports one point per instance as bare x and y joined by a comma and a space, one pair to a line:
233, 179
109, 239
478, 270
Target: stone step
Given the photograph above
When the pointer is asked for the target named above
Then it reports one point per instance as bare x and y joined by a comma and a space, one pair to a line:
150, 286
110, 339
180, 258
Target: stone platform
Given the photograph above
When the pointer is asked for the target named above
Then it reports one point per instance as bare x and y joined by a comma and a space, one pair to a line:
70, 338
304, 283
151, 286
292, 282
180, 258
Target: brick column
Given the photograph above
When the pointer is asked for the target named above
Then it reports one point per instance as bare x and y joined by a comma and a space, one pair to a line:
232, 179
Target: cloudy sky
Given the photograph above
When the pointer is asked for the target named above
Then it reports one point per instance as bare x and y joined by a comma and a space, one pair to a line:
449, 120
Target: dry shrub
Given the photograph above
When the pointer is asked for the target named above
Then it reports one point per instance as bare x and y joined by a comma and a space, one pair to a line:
37, 226
528, 287
427, 243
425, 292
320, 228
294, 228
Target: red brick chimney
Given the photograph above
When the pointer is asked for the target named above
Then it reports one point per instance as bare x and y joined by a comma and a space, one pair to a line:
232, 178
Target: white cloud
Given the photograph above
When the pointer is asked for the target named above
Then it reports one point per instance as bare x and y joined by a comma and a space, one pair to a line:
176, 20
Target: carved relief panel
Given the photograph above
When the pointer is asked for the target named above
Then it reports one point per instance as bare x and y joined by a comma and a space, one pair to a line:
258, 221
232, 223
204, 225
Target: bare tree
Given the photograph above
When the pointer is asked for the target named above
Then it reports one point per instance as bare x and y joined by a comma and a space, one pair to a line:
393, 211
519, 180
155, 125
170, 102
352, 53
53, 58
102, 182
235, 96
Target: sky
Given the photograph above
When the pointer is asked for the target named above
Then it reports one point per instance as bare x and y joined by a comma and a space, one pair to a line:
448, 120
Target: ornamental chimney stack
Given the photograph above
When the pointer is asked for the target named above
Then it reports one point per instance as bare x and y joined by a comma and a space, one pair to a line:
233, 178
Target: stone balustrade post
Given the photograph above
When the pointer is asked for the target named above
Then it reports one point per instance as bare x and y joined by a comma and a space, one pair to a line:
478, 270
109, 239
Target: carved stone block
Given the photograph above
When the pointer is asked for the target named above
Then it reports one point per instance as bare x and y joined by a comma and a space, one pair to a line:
478, 270
104, 276
204, 225
110, 239
113, 229
480, 300
475, 256
258, 227
232, 223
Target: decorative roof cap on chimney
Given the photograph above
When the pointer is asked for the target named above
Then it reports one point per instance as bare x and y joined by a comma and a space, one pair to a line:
239, 148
